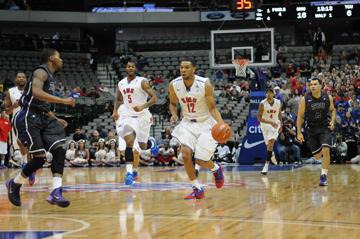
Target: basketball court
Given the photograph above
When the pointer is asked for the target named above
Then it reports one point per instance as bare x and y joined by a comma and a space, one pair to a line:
286, 204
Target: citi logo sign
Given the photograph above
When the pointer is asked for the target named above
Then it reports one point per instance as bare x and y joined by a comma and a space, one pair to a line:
255, 129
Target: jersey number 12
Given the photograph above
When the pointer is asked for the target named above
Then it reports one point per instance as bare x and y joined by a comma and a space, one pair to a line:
191, 107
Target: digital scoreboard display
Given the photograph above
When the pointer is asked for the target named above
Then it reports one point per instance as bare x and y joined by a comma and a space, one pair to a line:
242, 5
305, 12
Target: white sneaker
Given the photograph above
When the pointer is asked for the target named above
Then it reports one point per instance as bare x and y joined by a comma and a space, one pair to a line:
273, 159
264, 170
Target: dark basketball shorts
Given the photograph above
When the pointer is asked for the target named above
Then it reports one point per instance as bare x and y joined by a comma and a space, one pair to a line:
319, 138
37, 131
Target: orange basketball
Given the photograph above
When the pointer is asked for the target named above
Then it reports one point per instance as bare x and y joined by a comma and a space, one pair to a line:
221, 132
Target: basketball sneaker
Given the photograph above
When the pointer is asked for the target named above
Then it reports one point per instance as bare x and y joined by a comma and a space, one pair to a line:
219, 177
129, 179
154, 147
197, 193
323, 180
56, 198
135, 175
13, 190
32, 179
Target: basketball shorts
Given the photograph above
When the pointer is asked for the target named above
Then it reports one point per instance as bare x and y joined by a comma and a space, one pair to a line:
197, 136
319, 138
37, 131
141, 125
269, 132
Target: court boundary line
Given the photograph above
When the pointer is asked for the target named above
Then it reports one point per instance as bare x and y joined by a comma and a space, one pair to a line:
85, 224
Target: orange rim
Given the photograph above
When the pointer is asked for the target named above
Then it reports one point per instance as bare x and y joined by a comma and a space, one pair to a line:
241, 62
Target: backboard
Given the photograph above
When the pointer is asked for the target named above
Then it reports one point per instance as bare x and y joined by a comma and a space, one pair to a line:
256, 45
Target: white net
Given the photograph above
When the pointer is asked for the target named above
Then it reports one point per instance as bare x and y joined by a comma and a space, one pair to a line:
240, 67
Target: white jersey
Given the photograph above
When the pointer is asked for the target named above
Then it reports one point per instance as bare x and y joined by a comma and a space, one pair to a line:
192, 101
133, 95
271, 112
15, 95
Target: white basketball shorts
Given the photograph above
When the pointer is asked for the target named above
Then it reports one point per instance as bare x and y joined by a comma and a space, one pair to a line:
197, 136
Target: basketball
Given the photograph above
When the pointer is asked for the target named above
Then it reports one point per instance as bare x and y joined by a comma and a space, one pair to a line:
221, 132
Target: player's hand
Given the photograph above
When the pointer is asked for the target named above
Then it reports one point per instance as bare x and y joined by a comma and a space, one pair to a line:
69, 101
173, 119
331, 126
62, 122
115, 116
300, 138
138, 108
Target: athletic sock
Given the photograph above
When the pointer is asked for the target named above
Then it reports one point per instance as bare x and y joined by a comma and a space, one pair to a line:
129, 167
196, 184
19, 179
216, 167
57, 183
324, 171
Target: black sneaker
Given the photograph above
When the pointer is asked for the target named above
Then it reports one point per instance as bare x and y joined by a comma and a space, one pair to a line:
323, 180
13, 192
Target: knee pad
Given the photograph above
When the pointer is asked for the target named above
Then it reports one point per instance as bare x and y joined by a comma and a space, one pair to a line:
34, 164
57, 165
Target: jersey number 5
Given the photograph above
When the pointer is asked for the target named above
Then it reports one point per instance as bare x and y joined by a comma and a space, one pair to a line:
191, 107
129, 99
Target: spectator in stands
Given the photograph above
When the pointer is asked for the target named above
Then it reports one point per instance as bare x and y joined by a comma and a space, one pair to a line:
94, 139
79, 135
113, 156
100, 153
55, 43
142, 62
93, 93
5, 128
75, 93
319, 40
12, 6
83, 92
82, 155
166, 154
70, 152
108, 107
102, 132
288, 114
286, 143
223, 153
102, 88
227, 114
110, 136
293, 102
341, 150
278, 95
236, 151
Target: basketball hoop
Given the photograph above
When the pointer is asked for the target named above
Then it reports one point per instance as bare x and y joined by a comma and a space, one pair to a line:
240, 67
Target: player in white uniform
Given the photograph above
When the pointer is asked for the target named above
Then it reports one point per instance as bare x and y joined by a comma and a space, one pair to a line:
133, 118
270, 118
195, 95
12, 97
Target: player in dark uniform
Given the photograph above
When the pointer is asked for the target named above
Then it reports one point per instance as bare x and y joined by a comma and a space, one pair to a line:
315, 108
39, 130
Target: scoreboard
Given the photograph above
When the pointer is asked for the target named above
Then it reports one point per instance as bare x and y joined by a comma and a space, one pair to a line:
307, 12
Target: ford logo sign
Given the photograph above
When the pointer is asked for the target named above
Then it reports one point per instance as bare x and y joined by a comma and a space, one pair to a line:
239, 15
215, 15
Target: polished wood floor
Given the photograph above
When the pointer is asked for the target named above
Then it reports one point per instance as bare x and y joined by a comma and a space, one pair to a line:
285, 204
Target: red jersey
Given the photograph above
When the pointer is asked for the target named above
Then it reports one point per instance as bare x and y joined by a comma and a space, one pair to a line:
5, 128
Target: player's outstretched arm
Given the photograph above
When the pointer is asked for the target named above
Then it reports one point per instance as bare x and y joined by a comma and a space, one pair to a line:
210, 101
146, 87
40, 76
173, 103
300, 119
